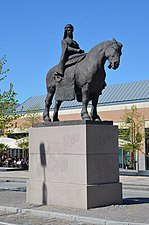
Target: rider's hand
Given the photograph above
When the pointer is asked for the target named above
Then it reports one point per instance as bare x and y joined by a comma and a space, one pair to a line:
80, 51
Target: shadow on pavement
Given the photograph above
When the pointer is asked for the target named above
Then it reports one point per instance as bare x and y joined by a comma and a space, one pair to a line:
130, 201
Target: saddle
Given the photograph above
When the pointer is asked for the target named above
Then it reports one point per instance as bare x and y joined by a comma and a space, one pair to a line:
65, 88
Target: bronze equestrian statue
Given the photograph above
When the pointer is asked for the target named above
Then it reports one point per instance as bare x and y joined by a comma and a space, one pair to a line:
79, 75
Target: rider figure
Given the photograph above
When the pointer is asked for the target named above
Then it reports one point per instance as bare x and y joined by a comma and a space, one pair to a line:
69, 48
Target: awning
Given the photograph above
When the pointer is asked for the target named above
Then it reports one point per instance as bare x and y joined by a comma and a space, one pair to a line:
10, 142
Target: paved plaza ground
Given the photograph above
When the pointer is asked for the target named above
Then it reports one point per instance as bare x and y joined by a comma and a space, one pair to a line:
134, 210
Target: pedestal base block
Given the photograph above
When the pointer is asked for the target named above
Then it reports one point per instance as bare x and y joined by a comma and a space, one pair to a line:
74, 164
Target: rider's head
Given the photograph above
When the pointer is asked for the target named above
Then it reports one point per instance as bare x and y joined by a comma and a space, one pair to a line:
68, 28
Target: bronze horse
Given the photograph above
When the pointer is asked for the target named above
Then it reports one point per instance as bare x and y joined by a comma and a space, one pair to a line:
89, 79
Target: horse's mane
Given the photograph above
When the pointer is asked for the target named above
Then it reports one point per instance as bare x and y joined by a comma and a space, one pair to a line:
105, 44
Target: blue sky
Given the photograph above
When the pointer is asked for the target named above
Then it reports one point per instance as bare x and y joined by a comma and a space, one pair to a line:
31, 33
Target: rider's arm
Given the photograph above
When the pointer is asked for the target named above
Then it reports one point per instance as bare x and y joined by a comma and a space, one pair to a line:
71, 49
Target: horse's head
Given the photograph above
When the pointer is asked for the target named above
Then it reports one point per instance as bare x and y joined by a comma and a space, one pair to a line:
113, 53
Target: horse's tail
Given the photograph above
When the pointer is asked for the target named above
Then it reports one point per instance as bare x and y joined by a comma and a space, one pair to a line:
50, 80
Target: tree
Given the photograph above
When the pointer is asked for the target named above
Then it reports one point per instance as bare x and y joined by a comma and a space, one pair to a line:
23, 143
3, 149
2, 63
7, 102
132, 130
31, 117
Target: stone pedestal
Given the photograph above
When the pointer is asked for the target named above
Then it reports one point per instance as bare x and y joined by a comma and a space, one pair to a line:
74, 164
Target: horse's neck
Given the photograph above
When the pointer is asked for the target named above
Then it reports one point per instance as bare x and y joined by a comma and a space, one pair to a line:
96, 56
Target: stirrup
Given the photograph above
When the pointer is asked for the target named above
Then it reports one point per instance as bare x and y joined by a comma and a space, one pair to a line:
57, 77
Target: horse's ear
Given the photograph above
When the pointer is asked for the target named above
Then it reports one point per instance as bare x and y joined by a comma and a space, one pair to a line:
114, 40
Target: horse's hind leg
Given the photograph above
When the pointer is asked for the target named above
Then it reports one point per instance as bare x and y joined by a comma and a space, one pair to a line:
93, 113
56, 108
48, 102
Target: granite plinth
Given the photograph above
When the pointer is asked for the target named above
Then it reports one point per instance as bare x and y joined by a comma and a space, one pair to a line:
74, 164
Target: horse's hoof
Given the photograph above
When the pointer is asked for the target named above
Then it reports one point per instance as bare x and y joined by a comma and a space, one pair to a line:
97, 119
55, 119
47, 119
86, 117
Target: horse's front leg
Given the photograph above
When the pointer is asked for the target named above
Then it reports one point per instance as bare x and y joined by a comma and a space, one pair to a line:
85, 100
93, 113
56, 108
